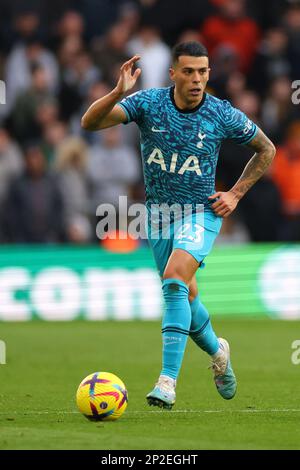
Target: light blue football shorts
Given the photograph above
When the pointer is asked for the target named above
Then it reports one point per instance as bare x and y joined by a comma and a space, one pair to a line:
195, 234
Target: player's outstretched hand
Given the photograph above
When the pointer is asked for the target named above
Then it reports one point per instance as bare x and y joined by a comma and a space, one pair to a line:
128, 79
225, 204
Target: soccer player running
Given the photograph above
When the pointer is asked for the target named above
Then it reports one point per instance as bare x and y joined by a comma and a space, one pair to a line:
182, 128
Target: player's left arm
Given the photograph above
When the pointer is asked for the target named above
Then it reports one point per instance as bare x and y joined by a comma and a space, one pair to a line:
255, 168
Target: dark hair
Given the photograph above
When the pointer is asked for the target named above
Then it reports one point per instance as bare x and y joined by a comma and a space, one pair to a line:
191, 48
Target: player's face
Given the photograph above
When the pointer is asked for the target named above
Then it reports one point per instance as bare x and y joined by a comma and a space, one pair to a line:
190, 75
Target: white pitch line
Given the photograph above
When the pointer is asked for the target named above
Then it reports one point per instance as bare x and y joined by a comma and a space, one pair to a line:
275, 410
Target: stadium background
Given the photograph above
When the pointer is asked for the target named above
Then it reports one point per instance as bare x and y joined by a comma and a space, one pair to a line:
55, 59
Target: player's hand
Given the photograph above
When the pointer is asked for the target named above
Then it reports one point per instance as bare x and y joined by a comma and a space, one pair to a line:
128, 79
225, 204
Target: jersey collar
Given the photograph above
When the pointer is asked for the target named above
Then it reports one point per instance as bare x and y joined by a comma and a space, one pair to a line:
186, 111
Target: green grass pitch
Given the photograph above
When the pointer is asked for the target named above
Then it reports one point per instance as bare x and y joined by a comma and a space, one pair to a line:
47, 361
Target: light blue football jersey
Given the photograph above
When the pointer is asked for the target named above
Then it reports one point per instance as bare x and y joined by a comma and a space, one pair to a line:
180, 149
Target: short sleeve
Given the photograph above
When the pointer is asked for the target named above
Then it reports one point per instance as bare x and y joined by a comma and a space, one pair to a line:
238, 126
135, 106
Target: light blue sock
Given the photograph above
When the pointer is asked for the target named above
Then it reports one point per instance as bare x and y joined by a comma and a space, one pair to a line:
201, 330
175, 325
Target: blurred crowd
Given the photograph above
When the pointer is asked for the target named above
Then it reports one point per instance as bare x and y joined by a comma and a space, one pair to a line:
57, 57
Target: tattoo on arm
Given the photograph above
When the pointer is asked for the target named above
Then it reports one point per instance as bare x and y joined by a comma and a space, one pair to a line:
257, 165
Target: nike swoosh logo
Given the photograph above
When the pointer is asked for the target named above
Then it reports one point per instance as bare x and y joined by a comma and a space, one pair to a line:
153, 129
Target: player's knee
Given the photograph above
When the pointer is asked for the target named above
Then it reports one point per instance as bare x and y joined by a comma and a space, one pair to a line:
192, 297
174, 289
173, 273
193, 290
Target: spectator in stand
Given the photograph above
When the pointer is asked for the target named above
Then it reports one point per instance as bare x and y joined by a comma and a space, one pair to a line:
84, 73
278, 109
23, 121
235, 86
21, 18
149, 45
100, 15
17, 25
113, 168
286, 175
53, 135
233, 29
68, 51
268, 14
248, 101
18, 70
11, 165
271, 60
47, 113
291, 24
68, 95
77, 77
71, 166
71, 25
34, 206
172, 17
129, 16
109, 52
224, 64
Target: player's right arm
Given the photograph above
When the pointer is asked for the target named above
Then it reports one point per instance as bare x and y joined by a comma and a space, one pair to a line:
105, 112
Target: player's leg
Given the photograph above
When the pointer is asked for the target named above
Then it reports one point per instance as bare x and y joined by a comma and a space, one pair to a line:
201, 330
190, 248
177, 276
203, 335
